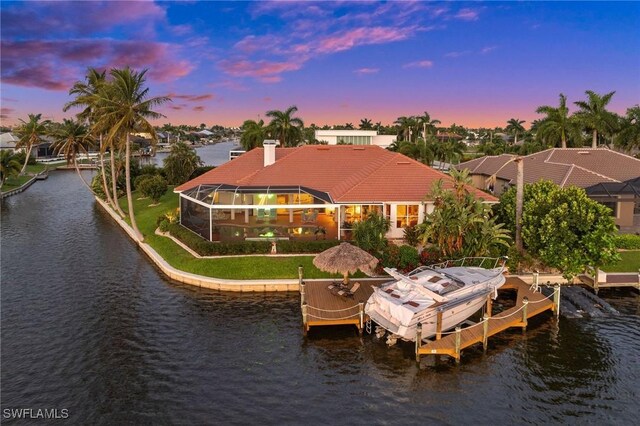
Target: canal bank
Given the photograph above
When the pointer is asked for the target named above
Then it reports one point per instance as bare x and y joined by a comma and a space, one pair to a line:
89, 324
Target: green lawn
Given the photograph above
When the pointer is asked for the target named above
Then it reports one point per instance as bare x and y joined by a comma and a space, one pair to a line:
242, 268
630, 262
17, 181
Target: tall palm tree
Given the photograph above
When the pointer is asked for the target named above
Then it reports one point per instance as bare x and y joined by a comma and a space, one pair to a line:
556, 123
514, 126
86, 96
9, 166
629, 135
72, 138
427, 124
593, 115
366, 124
124, 106
30, 133
285, 127
254, 133
405, 127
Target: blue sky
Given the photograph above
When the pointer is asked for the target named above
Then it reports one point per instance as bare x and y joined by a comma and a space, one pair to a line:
476, 64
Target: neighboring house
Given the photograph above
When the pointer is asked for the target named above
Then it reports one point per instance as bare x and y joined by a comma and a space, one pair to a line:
354, 137
314, 191
582, 167
8, 142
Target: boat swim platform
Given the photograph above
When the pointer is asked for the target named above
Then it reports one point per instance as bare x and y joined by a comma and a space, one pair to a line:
529, 303
322, 307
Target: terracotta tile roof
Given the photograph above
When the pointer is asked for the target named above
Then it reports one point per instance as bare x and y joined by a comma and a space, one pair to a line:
581, 167
348, 173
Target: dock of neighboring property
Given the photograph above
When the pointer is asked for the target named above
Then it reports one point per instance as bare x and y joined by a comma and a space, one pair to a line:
611, 280
529, 303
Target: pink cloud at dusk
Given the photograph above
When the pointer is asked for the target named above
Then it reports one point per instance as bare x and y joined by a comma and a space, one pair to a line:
198, 108
6, 112
56, 64
467, 14
362, 71
419, 64
47, 19
265, 71
362, 36
192, 98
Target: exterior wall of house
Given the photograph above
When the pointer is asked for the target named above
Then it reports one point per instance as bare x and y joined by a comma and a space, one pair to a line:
624, 216
357, 137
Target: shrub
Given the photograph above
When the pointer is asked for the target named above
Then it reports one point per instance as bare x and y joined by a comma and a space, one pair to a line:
390, 256
209, 248
430, 256
153, 187
411, 236
627, 241
369, 234
164, 225
408, 258
138, 181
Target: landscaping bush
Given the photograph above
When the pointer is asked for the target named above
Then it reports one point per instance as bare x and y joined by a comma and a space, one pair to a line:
153, 187
627, 241
138, 181
164, 225
408, 258
411, 236
430, 256
390, 256
369, 234
209, 248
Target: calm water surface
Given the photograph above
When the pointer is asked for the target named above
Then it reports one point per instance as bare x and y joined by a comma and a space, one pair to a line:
211, 155
89, 325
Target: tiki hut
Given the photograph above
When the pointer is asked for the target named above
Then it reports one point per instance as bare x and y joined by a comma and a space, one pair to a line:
345, 259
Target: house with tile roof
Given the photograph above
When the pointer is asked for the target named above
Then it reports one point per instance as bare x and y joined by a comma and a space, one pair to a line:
582, 167
307, 192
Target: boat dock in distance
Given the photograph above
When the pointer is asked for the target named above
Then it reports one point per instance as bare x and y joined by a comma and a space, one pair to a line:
322, 307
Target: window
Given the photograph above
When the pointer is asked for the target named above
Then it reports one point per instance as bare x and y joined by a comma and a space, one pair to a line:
406, 215
354, 140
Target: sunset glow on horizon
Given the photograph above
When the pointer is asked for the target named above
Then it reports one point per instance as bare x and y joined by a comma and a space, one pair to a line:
473, 64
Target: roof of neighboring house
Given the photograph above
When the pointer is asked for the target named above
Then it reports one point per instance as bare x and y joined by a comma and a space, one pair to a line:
347, 173
613, 189
581, 167
8, 140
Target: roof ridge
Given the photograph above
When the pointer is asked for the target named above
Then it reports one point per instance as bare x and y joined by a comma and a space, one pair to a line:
374, 166
572, 165
362, 181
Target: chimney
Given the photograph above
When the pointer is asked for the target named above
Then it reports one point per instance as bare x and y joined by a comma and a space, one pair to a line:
269, 146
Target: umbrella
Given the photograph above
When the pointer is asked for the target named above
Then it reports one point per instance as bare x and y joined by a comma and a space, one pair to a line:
345, 259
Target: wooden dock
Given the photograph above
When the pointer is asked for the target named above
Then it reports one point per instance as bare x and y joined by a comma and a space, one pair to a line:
528, 304
321, 307
611, 280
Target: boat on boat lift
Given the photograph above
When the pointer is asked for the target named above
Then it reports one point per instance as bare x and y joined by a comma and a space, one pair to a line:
457, 289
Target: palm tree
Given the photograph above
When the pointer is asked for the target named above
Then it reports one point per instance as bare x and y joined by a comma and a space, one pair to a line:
366, 124
556, 123
30, 133
285, 127
594, 116
427, 124
9, 166
86, 95
72, 138
123, 107
514, 126
629, 135
405, 126
254, 133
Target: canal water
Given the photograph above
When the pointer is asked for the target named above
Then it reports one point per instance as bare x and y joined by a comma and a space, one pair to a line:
89, 325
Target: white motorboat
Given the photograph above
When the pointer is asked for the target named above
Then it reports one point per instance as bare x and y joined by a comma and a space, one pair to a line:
457, 289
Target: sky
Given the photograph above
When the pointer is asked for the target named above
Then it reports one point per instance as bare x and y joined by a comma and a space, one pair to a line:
470, 63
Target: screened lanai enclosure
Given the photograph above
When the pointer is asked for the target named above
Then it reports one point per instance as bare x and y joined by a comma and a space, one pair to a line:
228, 213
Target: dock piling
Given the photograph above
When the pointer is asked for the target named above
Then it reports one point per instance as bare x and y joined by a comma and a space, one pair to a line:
418, 341
525, 304
458, 330
305, 319
556, 299
485, 331
439, 325
361, 311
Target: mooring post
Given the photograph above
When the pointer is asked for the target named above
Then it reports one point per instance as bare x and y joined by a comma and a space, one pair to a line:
300, 272
303, 293
489, 305
536, 275
418, 340
305, 319
485, 331
438, 325
596, 282
458, 330
525, 304
361, 311
556, 299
